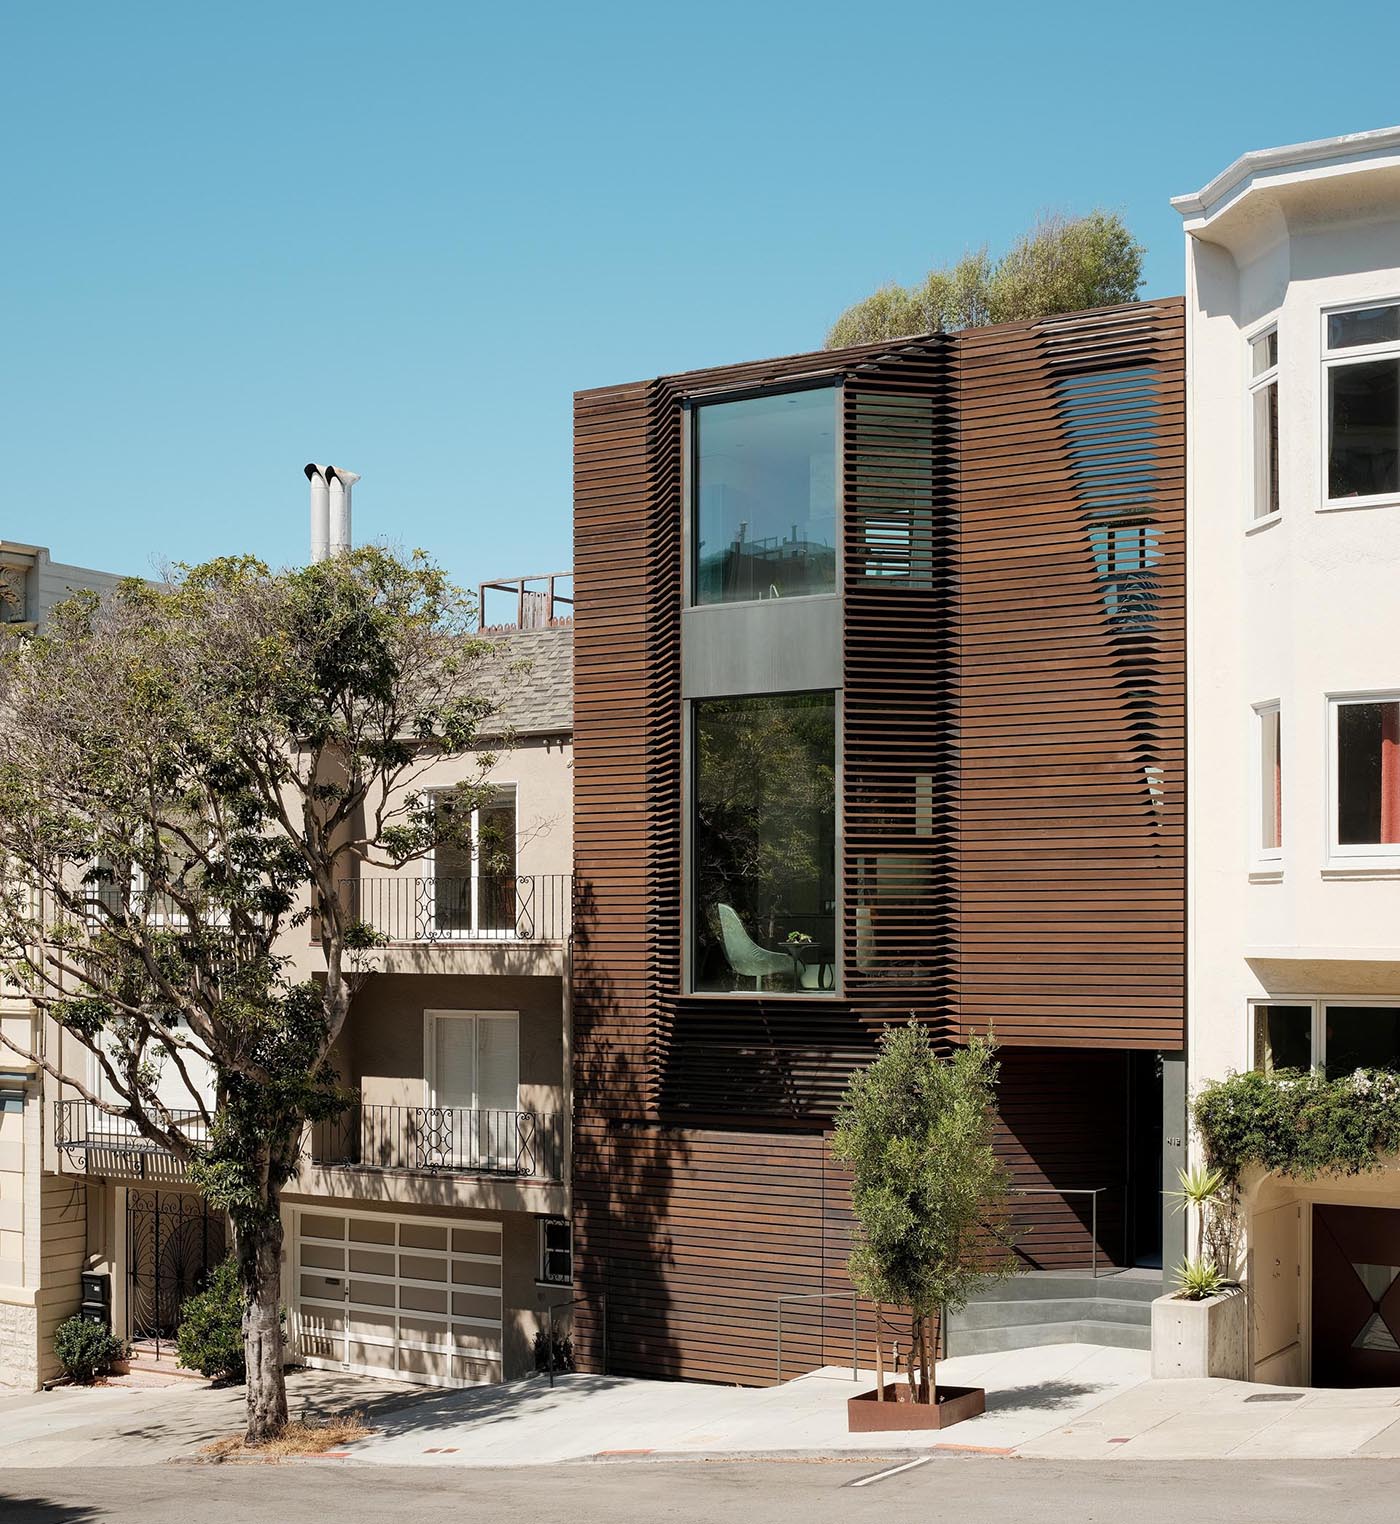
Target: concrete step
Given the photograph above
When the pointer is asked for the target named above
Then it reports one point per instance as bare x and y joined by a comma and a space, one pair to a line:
1052, 1285
983, 1341
1060, 1310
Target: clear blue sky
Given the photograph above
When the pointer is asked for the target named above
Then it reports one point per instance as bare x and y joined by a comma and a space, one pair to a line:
399, 237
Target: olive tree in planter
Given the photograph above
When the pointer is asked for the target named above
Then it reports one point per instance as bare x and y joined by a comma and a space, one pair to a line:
931, 1202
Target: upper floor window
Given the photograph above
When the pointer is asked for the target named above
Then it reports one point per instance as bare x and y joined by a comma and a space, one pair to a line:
1268, 841
1361, 362
1263, 403
763, 835
1366, 776
764, 496
473, 889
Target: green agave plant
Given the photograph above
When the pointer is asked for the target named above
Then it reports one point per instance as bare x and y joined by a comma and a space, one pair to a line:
1197, 1279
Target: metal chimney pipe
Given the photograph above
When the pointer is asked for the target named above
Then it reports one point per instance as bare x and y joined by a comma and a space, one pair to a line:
320, 510
340, 484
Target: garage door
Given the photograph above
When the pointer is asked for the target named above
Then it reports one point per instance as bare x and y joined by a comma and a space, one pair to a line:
417, 1298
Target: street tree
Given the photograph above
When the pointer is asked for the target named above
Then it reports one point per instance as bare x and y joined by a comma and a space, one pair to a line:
930, 1196
189, 772
1063, 264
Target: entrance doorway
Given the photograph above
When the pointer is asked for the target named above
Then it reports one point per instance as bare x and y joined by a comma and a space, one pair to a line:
1144, 1183
173, 1241
1355, 1296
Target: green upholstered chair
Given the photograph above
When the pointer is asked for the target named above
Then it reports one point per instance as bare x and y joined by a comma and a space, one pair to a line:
746, 957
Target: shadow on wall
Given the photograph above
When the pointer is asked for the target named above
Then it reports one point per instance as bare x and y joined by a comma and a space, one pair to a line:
623, 1173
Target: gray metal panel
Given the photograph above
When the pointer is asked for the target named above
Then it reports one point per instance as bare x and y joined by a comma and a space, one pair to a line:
1173, 1157
781, 645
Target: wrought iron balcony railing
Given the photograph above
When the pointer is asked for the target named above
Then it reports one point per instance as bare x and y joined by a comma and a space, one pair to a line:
446, 1140
101, 1145
486, 907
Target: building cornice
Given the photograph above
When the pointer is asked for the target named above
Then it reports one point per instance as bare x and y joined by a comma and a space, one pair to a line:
1351, 149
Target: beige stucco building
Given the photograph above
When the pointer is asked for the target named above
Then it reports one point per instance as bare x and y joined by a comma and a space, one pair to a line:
43, 1215
1293, 314
426, 1232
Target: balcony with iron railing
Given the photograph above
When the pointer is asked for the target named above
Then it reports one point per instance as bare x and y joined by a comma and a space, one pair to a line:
485, 909
392, 1140
441, 1140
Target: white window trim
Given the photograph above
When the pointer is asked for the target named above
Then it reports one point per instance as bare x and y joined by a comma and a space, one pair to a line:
1361, 857
1318, 1005
475, 933
1267, 861
430, 1020
1331, 360
1253, 385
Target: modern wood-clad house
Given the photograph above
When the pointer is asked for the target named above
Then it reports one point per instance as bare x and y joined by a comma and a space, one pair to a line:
879, 712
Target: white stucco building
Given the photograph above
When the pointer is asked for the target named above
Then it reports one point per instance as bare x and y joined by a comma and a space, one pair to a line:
1293, 345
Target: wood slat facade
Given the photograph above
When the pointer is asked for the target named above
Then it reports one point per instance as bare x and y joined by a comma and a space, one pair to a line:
1011, 856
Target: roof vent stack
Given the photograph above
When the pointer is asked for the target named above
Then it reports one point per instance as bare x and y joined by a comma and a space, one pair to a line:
330, 509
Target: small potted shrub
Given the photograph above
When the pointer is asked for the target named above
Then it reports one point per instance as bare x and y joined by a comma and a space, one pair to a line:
86, 1350
1201, 1328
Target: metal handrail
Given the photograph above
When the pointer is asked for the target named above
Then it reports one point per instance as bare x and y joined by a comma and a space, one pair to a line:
821, 1296
1092, 1191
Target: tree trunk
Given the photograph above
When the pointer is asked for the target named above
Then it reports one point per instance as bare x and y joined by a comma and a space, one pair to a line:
258, 1242
930, 1347
917, 1390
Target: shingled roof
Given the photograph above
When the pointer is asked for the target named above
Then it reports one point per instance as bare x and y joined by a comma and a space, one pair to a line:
531, 677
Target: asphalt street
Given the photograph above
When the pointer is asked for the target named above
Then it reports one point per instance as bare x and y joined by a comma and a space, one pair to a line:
968, 1490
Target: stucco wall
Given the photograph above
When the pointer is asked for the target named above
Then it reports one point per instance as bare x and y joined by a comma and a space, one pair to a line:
1293, 611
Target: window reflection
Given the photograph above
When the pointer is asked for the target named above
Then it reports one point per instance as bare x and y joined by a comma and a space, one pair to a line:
764, 844
765, 497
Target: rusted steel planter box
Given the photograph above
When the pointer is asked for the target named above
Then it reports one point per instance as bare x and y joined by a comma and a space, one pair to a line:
866, 1414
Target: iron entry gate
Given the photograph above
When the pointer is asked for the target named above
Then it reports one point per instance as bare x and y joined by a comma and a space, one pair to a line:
173, 1241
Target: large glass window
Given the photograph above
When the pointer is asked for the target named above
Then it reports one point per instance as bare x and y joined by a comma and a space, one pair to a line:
763, 907
1283, 1037
764, 506
1337, 1037
1362, 363
1367, 775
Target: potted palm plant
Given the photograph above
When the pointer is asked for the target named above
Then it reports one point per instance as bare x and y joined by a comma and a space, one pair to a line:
931, 1202
1201, 1328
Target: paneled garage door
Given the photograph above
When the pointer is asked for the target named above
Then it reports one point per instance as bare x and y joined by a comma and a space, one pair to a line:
417, 1298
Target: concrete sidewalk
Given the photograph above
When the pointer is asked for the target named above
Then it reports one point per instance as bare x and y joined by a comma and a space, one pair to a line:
1062, 1402
611, 1417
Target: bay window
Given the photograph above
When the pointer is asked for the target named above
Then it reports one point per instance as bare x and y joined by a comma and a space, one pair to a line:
1361, 368
1263, 404
1366, 776
1338, 1036
1268, 840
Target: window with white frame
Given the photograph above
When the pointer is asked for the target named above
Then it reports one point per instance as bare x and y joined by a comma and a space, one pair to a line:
473, 1060
1263, 412
1361, 377
474, 885
1366, 776
1268, 813
1336, 1036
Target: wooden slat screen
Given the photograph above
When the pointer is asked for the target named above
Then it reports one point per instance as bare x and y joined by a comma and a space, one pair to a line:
1012, 746
1070, 680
